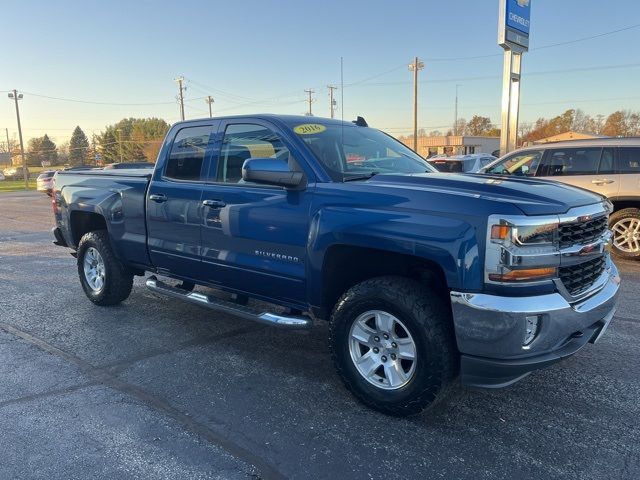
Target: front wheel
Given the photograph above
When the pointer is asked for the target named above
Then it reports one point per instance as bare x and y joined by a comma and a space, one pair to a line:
625, 225
104, 279
392, 343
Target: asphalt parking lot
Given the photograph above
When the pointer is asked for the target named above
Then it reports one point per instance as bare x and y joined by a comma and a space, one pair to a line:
158, 389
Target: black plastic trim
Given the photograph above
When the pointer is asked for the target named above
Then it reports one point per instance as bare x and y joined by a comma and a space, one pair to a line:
497, 373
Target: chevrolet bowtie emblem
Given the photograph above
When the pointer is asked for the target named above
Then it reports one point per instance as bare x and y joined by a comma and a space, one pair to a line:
523, 3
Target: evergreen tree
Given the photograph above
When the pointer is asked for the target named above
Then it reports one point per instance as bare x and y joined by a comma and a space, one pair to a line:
78, 147
41, 149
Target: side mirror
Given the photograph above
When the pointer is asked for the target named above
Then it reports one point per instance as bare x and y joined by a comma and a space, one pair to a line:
271, 171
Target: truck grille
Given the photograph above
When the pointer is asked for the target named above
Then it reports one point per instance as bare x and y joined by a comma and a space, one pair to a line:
579, 233
578, 278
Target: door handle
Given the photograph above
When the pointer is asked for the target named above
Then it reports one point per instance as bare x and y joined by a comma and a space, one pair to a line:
214, 203
158, 197
603, 181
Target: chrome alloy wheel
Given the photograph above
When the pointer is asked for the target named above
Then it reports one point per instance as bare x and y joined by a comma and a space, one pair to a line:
382, 350
626, 235
94, 269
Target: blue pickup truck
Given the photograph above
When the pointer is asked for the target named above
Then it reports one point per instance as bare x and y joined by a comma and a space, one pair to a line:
423, 276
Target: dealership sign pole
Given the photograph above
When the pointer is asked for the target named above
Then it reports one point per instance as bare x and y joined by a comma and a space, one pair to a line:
513, 36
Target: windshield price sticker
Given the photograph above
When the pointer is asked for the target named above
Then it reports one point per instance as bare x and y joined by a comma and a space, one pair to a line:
309, 129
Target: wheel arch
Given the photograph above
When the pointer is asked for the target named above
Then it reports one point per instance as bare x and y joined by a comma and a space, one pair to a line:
621, 203
347, 265
83, 222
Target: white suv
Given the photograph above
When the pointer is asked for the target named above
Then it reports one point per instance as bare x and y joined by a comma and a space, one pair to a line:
608, 166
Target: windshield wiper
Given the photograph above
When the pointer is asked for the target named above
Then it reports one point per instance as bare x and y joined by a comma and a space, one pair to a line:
365, 176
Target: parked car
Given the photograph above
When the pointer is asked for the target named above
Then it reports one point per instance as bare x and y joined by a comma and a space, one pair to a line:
608, 166
44, 182
422, 275
128, 165
78, 168
461, 163
14, 173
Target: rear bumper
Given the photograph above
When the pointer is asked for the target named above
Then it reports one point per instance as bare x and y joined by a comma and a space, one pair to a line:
490, 331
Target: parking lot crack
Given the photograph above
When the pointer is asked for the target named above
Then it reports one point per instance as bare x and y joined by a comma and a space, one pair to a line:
48, 393
117, 366
104, 377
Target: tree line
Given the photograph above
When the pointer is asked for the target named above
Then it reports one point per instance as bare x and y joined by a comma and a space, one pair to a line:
622, 123
129, 140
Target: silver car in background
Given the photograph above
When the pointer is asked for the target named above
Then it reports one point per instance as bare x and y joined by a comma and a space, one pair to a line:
470, 163
608, 166
44, 182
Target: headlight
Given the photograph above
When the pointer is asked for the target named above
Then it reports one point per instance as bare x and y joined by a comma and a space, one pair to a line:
541, 234
521, 249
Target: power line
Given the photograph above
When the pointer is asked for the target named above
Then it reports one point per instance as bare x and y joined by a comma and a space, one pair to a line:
531, 74
93, 102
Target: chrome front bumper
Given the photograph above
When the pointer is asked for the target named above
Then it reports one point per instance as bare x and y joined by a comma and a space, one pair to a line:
490, 330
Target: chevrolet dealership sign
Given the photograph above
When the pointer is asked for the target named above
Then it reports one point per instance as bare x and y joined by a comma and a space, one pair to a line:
515, 23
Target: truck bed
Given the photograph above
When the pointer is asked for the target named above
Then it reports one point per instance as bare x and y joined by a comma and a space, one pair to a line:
116, 195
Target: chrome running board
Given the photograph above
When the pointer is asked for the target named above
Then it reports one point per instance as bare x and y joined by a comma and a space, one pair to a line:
213, 303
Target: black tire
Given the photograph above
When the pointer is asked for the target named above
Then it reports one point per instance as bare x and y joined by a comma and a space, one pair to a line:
427, 318
621, 215
118, 280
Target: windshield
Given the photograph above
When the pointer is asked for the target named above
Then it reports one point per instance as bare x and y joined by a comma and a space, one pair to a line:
352, 152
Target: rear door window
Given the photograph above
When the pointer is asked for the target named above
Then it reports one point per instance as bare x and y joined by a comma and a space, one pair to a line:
187, 154
570, 161
629, 160
606, 161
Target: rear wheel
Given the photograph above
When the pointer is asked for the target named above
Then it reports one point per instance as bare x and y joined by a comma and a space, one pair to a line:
392, 344
625, 225
103, 278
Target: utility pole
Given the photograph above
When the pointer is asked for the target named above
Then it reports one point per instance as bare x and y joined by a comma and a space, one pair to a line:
180, 82
310, 100
18, 96
209, 100
332, 102
119, 130
415, 66
8, 144
455, 118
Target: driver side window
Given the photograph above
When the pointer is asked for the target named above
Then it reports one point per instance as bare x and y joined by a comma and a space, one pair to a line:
522, 164
244, 141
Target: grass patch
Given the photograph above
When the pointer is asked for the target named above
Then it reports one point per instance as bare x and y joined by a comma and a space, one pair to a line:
16, 185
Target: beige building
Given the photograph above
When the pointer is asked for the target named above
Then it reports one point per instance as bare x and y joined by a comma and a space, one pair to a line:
571, 135
453, 145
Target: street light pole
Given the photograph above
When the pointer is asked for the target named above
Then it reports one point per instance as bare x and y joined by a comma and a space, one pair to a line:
18, 96
415, 66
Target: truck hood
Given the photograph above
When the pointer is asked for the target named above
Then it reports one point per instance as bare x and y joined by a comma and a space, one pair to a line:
531, 196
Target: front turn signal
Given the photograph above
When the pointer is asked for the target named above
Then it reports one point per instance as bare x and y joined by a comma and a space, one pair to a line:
525, 275
500, 232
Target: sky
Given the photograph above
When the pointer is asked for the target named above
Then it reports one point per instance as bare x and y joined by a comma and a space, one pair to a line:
119, 59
